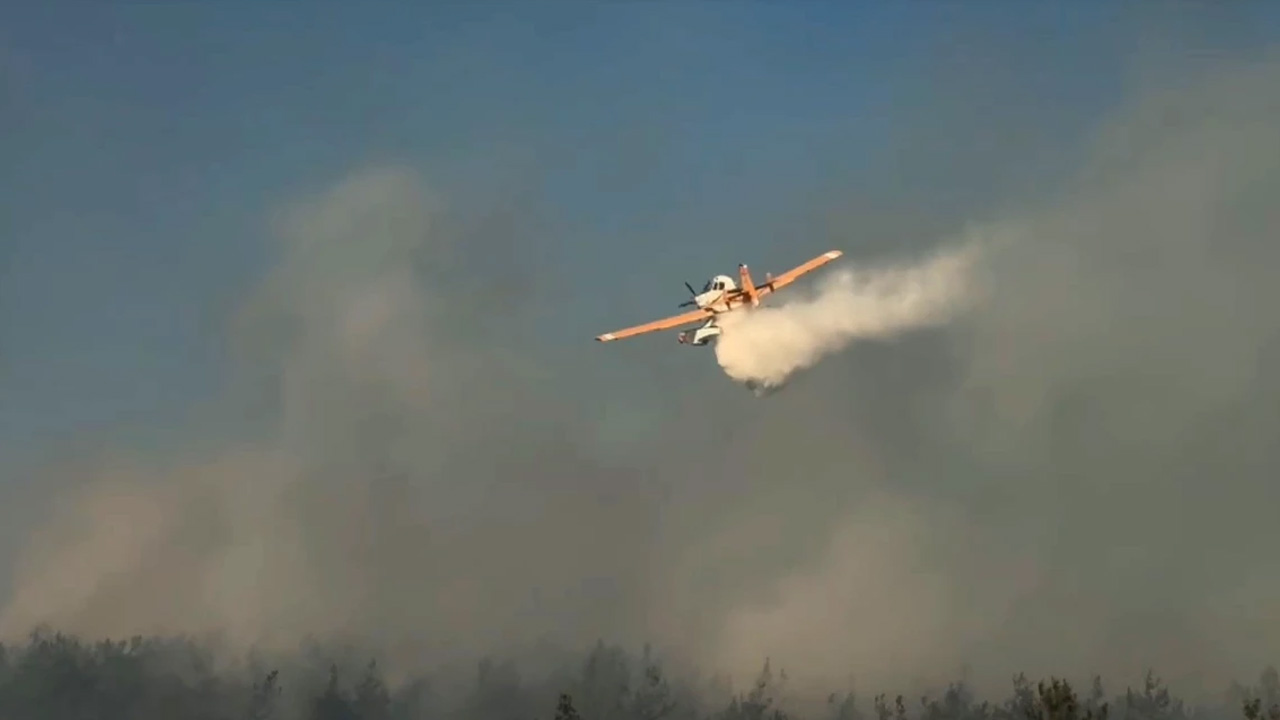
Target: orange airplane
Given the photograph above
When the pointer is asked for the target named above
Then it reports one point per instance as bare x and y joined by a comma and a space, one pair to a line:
720, 295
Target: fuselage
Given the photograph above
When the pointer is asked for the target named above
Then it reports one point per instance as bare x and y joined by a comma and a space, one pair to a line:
716, 293
719, 295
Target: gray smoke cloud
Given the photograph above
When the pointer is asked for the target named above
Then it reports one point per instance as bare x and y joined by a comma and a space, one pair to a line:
407, 487
1075, 474
1080, 466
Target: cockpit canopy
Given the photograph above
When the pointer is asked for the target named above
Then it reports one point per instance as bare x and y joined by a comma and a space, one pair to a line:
719, 282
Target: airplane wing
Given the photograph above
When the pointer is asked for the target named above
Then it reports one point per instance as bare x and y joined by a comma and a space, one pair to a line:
780, 281
663, 324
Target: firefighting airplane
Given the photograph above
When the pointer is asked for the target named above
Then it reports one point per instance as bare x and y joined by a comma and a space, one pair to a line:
720, 295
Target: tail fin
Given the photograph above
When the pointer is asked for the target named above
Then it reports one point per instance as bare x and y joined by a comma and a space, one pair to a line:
748, 287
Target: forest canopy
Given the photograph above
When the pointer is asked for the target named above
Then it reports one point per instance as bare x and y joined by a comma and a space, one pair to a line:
56, 676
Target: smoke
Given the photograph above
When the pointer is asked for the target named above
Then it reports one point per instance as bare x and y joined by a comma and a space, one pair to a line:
1079, 467
764, 346
362, 499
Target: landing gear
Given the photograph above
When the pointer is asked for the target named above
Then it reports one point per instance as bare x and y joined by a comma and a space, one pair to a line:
700, 336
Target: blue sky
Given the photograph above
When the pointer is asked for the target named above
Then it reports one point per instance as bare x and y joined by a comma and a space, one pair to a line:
147, 145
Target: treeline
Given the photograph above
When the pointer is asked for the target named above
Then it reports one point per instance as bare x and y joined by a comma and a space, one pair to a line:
53, 676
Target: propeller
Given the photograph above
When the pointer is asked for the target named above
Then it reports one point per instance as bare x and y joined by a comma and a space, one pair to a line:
692, 292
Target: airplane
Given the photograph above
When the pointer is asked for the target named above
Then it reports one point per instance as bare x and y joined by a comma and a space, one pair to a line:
720, 295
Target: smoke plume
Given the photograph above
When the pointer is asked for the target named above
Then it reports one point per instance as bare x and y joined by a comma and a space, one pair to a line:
367, 502
764, 346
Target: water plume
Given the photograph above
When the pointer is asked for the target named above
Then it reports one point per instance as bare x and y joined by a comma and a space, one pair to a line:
763, 347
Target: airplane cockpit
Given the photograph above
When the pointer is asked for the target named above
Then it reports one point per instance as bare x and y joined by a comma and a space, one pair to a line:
719, 282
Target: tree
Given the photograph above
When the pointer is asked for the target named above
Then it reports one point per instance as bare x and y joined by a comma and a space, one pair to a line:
372, 701
565, 709
757, 704
1153, 703
956, 704
1056, 700
653, 700
884, 712
262, 699
845, 709
1253, 710
1263, 703
605, 688
331, 704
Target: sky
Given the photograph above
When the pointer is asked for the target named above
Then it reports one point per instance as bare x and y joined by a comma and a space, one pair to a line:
186, 186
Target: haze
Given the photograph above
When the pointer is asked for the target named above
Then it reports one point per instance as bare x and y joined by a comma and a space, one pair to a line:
296, 324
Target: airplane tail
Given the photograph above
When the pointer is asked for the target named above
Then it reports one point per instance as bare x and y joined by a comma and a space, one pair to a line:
748, 287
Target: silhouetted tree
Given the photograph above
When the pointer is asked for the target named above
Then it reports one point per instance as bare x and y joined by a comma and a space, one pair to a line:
606, 682
497, 693
884, 712
1253, 710
758, 703
565, 709
957, 704
1056, 700
845, 708
331, 704
1022, 704
1262, 702
1153, 703
372, 701
263, 698
653, 699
